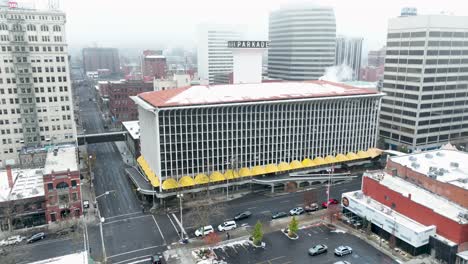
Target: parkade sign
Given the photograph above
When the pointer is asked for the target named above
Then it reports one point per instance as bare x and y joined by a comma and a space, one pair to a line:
248, 44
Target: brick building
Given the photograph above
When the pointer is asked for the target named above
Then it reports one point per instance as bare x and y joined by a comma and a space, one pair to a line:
121, 107
101, 58
371, 73
36, 196
62, 185
420, 199
154, 66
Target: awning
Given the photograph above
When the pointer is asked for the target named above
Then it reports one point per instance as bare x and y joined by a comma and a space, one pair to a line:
374, 152
319, 161
258, 170
201, 179
330, 159
341, 158
245, 172
186, 181
217, 176
170, 184
148, 172
230, 174
308, 163
295, 164
351, 156
271, 168
362, 154
284, 166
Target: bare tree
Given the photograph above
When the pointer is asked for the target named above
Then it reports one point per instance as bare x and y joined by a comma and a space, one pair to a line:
310, 197
333, 212
201, 214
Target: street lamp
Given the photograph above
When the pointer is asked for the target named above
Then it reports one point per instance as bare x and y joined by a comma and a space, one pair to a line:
180, 196
101, 220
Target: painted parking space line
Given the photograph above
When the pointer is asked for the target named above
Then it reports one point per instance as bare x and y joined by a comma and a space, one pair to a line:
165, 243
268, 261
179, 224
172, 222
139, 259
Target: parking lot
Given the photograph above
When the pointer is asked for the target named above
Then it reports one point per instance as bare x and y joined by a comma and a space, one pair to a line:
281, 250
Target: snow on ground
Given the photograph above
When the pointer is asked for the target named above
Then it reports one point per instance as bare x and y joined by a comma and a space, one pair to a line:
339, 231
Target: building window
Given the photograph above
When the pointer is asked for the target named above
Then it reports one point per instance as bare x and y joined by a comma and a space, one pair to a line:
53, 218
62, 185
74, 197
73, 183
50, 186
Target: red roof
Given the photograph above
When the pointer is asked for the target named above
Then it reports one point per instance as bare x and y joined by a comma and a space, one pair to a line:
240, 93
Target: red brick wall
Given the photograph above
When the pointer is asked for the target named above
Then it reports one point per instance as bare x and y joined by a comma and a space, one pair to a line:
56, 178
120, 105
451, 192
425, 215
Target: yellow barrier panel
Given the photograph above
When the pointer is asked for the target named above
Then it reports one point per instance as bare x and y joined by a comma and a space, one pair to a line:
362, 154
307, 162
352, 156
341, 158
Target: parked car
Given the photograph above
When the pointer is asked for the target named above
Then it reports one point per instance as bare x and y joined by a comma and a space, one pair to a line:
157, 259
242, 215
330, 201
296, 211
311, 207
13, 240
36, 237
343, 250
318, 249
226, 226
278, 215
203, 231
342, 262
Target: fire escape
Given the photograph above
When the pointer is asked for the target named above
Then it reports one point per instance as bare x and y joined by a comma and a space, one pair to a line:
25, 87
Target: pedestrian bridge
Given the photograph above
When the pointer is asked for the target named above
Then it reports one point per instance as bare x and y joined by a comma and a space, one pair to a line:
101, 137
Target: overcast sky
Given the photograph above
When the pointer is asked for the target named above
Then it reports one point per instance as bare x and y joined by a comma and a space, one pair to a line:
163, 23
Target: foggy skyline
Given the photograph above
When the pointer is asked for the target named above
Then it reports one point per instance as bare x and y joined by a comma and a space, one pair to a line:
146, 24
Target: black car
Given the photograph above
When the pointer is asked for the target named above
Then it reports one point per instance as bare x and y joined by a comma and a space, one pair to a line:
36, 237
278, 215
242, 215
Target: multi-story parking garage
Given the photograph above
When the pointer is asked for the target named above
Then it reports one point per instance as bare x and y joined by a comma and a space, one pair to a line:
210, 134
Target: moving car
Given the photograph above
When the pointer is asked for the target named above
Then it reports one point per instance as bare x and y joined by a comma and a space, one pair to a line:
203, 231
242, 215
311, 207
36, 237
13, 240
318, 249
226, 226
342, 262
278, 215
296, 211
330, 201
343, 250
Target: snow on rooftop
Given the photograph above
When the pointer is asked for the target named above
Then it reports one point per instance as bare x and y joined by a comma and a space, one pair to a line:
133, 127
238, 93
27, 184
155, 57
419, 195
452, 165
75, 258
64, 160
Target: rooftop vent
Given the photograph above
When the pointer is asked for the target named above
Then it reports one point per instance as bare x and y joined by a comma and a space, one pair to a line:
464, 180
428, 156
454, 164
432, 175
415, 165
412, 158
463, 215
440, 154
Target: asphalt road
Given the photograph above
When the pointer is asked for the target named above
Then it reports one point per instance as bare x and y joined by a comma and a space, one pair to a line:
128, 233
281, 250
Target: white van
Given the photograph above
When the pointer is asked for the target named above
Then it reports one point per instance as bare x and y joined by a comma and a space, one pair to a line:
203, 231
226, 226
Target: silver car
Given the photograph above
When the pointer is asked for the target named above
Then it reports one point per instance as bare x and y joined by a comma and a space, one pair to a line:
343, 250
318, 249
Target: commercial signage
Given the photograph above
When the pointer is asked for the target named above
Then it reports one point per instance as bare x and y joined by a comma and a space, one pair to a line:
249, 44
345, 202
12, 4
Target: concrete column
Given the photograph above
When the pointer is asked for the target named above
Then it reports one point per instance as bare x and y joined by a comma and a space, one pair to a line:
272, 188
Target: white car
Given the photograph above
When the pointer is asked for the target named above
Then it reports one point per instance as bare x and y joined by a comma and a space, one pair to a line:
226, 226
296, 211
203, 231
343, 250
13, 240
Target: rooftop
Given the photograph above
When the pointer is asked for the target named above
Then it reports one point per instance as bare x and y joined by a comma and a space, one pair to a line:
133, 127
421, 196
449, 166
27, 184
242, 93
60, 159
155, 57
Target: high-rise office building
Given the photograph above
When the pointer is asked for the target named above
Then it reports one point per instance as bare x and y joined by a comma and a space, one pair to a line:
214, 56
426, 82
35, 90
348, 52
302, 42
95, 59
376, 58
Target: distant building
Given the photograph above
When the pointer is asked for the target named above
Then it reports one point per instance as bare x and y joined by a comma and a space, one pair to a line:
302, 42
38, 195
376, 58
419, 200
101, 58
178, 80
121, 107
426, 82
371, 73
133, 138
213, 55
348, 52
154, 66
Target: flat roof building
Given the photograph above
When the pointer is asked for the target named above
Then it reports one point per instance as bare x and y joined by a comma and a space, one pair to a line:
199, 130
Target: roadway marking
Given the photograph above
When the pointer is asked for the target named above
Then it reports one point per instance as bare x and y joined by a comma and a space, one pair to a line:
252, 208
284, 201
147, 257
124, 220
133, 251
180, 224
110, 217
269, 260
172, 224
159, 230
